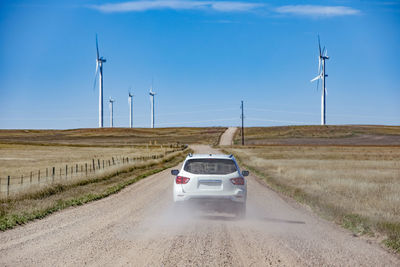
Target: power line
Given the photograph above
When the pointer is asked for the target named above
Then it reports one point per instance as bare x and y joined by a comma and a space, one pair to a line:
294, 122
189, 122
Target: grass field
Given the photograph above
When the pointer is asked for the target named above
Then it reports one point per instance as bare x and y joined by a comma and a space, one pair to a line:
20, 159
322, 135
37, 204
357, 186
114, 136
28, 156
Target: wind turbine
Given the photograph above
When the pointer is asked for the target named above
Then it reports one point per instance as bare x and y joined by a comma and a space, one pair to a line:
130, 101
323, 55
152, 94
99, 71
111, 112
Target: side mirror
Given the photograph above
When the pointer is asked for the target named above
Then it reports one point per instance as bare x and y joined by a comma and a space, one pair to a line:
245, 173
175, 172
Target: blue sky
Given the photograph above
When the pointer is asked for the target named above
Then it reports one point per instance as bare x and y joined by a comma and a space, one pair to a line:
204, 57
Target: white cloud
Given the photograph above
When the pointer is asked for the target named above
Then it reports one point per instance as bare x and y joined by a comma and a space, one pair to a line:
317, 11
142, 5
224, 6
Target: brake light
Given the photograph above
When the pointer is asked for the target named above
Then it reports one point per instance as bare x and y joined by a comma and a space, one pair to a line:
181, 180
238, 181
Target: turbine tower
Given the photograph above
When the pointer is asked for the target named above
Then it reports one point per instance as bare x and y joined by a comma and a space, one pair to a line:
130, 101
152, 94
111, 112
323, 55
99, 71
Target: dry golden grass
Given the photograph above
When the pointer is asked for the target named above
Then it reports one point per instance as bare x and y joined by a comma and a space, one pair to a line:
20, 159
34, 153
316, 134
363, 182
114, 136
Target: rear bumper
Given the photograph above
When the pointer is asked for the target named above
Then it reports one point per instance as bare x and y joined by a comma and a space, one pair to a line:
238, 197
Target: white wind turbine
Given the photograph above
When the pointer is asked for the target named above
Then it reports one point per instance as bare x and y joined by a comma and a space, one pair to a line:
111, 112
152, 94
323, 55
99, 71
130, 101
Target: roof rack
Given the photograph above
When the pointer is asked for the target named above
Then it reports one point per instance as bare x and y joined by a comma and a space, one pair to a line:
231, 155
190, 155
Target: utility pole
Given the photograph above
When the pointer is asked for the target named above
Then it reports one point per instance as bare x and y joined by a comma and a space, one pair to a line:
130, 101
111, 112
242, 117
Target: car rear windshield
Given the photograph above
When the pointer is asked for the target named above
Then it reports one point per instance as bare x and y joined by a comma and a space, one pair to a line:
210, 166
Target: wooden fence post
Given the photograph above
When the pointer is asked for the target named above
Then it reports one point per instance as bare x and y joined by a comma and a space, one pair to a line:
22, 179
86, 168
66, 171
113, 161
31, 178
98, 163
8, 185
103, 163
93, 165
54, 172
38, 176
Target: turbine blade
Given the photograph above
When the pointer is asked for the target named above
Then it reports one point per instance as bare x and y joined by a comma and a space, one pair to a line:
319, 65
316, 78
319, 46
317, 84
97, 49
326, 52
323, 51
95, 77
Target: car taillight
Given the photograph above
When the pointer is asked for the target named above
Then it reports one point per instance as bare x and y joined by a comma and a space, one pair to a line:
238, 181
181, 180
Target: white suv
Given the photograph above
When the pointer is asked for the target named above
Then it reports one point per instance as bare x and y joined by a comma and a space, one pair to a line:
213, 181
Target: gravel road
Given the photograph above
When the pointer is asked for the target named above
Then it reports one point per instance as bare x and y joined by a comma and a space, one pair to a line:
227, 136
138, 227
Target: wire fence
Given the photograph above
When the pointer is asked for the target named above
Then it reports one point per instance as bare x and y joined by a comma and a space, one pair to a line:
10, 185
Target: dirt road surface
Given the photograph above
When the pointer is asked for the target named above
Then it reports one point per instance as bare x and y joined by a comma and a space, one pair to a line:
227, 136
137, 227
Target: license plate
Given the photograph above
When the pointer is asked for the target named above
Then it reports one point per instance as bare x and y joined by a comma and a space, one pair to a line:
210, 184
